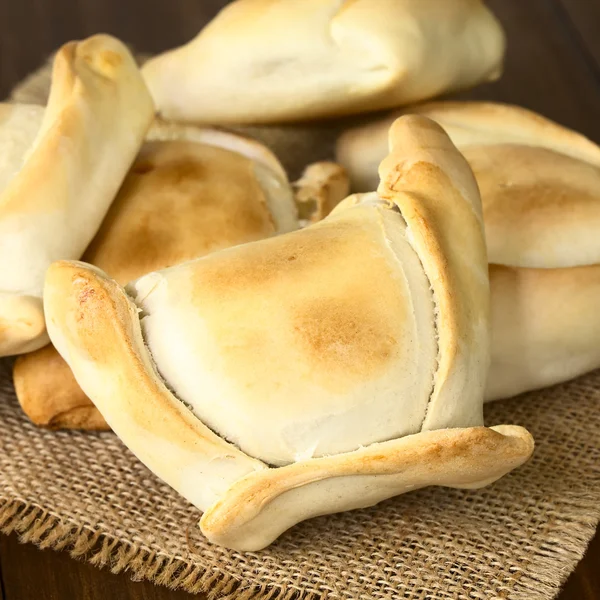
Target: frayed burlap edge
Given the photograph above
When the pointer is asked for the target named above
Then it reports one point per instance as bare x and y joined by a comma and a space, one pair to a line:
548, 579
35, 525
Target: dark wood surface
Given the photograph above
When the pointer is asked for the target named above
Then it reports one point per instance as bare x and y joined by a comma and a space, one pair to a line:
553, 67
583, 16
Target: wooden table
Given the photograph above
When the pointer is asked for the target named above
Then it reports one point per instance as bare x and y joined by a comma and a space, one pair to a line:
553, 67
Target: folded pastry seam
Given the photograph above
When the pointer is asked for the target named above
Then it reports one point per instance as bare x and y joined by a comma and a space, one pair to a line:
540, 188
131, 293
436, 307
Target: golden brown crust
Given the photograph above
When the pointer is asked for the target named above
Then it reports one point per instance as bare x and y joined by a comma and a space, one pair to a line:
96, 327
491, 123
474, 123
55, 203
182, 199
540, 189
85, 416
50, 396
220, 137
468, 124
340, 338
325, 58
22, 324
245, 518
322, 186
438, 198
545, 327
541, 208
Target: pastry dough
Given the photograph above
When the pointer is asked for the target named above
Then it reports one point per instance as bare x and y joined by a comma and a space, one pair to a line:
540, 187
59, 173
360, 149
190, 192
545, 326
322, 58
320, 189
352, 354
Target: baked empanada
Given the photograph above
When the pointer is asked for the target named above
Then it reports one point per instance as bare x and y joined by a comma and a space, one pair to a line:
270, 61
60, 169
540, 189
317, 371
190, 192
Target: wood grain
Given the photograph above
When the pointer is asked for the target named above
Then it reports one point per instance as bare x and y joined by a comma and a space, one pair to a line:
30, 30
584, 17
584, 582
32, 574
2, 595
552, 67
545, 70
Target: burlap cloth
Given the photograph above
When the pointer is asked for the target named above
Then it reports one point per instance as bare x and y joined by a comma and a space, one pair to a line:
517, 539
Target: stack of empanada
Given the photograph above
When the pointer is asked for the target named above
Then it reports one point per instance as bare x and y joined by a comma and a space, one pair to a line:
191, 191
540, 188
268, 372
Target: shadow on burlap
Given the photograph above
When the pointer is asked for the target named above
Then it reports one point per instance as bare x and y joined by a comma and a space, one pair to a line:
517, 539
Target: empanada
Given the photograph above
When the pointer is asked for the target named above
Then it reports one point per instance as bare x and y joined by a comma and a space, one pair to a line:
60, 169
540, 188
270, 61
317, 371
190, 192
